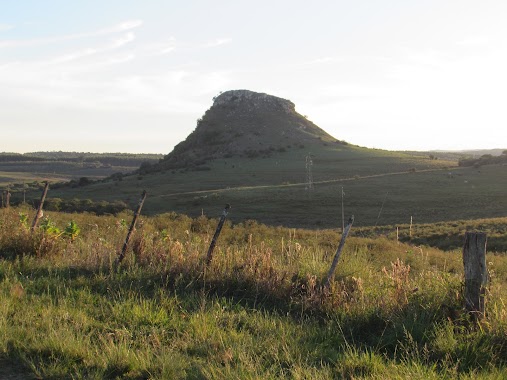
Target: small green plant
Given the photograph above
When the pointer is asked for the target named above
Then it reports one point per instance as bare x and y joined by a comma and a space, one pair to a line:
50, 228
164, 235
23, 219
121, 224
72, 230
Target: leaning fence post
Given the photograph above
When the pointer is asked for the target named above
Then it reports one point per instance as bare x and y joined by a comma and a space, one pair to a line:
476, 274
38, 214
217, 234
345, 233
7, 198
131, 229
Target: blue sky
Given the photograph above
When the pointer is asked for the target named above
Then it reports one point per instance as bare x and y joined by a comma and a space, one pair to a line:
132, 76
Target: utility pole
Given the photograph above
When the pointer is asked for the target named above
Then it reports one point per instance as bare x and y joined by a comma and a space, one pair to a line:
309, 175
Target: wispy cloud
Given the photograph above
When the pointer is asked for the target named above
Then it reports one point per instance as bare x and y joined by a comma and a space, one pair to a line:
121, 27
163, 47
322, 60
219, 42
75, 55
123, 40
118, 28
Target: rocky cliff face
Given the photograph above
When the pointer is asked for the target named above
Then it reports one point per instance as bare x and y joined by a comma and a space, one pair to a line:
254, 101
247, 124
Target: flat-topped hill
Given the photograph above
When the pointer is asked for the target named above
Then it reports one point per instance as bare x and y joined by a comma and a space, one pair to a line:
243, 123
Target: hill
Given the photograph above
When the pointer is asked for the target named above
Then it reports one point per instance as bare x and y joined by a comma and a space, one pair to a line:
242, 123
273, 165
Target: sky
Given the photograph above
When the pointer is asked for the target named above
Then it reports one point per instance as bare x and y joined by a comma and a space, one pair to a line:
134, 76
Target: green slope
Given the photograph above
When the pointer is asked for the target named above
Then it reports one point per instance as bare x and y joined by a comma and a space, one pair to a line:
274, 189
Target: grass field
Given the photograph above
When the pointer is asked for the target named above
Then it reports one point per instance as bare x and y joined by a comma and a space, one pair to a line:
65, 166
394, 310
427, 195
272, 190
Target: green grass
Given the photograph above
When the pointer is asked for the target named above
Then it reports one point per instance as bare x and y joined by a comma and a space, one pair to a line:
53, 171
444, 235
427, 197
272, 190
394, 311
10, 177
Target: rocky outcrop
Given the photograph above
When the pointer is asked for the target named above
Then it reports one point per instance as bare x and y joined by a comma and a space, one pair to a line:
246, 124
253, 100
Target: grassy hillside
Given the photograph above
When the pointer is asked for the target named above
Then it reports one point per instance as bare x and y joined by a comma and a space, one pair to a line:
273, 190
394, 311
381, 187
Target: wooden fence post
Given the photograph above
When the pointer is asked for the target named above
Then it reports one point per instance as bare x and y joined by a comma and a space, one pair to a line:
131, 229
38, 214
476, 274
7, 198
345, 233
209, 256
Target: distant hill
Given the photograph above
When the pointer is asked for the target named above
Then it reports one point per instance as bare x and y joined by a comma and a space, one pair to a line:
474, 153
485, 159
243, 123
113, 159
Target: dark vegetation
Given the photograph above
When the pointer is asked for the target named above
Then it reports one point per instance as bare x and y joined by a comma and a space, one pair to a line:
485, 159
83, 205
87, 159
447, 236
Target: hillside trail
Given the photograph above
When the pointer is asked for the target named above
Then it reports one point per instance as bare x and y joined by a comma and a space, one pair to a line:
258, 187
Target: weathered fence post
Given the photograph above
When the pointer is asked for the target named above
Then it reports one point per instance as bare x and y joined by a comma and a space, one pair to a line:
38, 214
131, 229
7, 198
209, 257
476, 274
345, 233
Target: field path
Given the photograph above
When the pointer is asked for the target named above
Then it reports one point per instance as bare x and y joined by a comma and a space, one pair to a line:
258, 187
